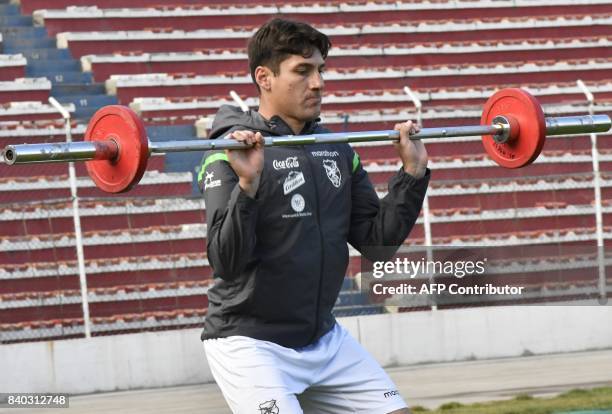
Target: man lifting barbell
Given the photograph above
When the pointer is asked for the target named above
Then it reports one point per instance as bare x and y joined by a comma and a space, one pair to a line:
278, 222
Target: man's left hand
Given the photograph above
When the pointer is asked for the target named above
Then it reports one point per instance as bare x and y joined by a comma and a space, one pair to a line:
412, 152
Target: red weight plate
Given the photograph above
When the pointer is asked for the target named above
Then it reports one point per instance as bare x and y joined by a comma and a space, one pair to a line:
527, 111
121, 124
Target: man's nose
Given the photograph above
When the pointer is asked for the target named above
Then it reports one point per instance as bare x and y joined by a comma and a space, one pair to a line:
316, 81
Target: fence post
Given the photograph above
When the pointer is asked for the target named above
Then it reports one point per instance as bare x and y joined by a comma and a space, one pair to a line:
76, 219
426, 215
601, 256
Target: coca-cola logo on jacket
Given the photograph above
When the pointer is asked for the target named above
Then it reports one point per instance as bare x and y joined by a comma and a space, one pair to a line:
289, 162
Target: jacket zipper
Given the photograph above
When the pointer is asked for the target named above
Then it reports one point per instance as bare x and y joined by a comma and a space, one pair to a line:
318, 304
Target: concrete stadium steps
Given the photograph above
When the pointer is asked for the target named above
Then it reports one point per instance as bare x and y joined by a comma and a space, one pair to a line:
480, 167
41, 55
526, 238
106, 272
153, 184
433, 117
214, 61
121, 294
97, 244
25, 89
127, 306
15, 20
67, 304
100, 215
168, 39
36, 132
64, 65
456, 229
122, 323
129, 87
64, 328
108, 286
28, 6
30, 111
448, 148
13, 66
54, 71
347, 110
14, 44
87, 100
520, 192
467, 226
218, 17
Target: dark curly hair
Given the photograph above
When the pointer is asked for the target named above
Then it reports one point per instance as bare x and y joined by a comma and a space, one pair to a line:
278, 39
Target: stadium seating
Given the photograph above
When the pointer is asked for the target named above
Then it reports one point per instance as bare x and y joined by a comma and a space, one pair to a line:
162, 39
212, 61
87, 19
30, 111
429, 8
185, 109
96, 215
175, 64
13, 67
25, 89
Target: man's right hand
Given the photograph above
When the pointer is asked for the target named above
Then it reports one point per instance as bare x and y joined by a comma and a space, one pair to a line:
247, 163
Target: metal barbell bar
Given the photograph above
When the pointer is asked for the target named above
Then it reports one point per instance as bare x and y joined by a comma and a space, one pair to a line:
109, 149
116, 147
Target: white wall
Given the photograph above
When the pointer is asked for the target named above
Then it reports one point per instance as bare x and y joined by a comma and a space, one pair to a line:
170, 358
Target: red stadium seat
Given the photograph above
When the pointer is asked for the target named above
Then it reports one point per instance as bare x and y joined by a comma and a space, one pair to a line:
13, 66
25, 89
193, 17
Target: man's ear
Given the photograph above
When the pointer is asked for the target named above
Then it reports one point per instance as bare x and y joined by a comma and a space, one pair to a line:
263, 77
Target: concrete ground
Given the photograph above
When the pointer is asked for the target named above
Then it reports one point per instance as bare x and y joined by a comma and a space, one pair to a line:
427, 385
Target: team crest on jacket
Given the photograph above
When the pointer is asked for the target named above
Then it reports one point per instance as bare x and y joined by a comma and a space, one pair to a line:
333, 172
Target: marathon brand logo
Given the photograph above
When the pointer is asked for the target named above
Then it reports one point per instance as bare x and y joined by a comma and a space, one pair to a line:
209, 182
333, 172
289, 162
390, 394
325, 153
294, 180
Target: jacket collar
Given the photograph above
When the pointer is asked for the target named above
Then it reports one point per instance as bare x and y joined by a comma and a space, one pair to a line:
280, 127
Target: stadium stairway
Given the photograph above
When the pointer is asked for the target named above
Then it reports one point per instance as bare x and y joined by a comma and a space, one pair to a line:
69, 83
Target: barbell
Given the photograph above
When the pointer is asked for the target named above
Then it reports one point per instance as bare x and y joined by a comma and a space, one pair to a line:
116, 147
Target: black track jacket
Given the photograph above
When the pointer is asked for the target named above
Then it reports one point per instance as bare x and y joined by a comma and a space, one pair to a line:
279, 259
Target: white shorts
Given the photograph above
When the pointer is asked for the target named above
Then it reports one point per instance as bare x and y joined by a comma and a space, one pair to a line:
333, 375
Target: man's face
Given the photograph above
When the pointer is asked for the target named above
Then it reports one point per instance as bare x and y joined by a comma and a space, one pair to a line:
297, 89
